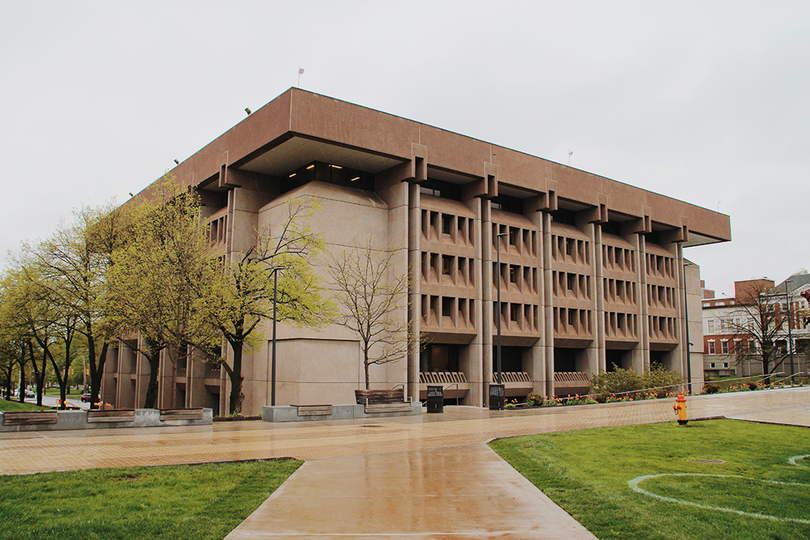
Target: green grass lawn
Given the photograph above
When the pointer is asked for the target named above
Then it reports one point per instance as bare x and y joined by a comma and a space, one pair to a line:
588, 473
172, 503
17, 406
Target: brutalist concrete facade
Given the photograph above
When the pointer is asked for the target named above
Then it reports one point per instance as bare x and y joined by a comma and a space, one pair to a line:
592, 270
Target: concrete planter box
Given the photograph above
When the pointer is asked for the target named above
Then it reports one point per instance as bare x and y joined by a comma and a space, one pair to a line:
66, 420
293, 413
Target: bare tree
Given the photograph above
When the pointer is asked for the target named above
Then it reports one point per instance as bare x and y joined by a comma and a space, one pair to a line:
373, 297
759, 325
277, 267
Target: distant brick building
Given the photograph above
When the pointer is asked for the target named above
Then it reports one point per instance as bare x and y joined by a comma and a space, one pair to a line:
727, 323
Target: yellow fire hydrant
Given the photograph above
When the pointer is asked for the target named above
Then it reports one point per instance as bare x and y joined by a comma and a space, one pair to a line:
680, 409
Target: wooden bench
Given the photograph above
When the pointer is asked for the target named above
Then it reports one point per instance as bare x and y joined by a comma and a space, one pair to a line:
388, 407
313, 410
181, 414
376, 397
28, 418
123, 415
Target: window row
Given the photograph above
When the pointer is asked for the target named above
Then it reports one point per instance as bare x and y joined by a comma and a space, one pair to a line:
732, 347
728, 326
570, 250
448, 311
442, 227
570, 285
663, 328
436, 268
621, 325
616, 258
620, 291
658, 296
520, 240
576, 322
517, 317
658, 265
217, 229
718, 365
517, 278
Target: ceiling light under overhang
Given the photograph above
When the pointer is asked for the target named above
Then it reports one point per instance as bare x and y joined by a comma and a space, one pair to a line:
355, 178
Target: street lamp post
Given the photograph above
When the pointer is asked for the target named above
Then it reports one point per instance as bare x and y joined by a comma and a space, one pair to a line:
275, 270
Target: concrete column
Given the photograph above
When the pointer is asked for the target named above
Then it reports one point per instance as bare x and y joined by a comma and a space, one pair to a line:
548, 303
641, 359
596, 349
487, 311
679, 352
542, 376
414, 298
475, 350
599, 273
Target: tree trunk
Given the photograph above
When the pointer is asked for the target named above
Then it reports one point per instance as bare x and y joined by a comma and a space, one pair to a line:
365, 366
237, 379
96, 372
154, 366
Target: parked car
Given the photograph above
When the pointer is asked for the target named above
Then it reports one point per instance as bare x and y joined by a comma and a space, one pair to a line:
86, 397
28, 394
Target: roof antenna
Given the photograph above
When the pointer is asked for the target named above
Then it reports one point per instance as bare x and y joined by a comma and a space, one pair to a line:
570, 153
300, 72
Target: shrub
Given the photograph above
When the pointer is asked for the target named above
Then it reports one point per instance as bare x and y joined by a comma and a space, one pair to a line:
534, 400
626, 380
658, 376
618, 380
711, 388
752, 385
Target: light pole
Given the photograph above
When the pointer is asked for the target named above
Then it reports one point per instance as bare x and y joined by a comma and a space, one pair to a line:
497, 392
275, 270
790, 333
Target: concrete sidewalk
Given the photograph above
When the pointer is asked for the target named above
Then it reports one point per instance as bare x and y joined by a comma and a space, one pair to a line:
413, 477
460, 492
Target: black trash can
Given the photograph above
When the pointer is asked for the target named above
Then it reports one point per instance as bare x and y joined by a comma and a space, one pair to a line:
496, 397
435, 399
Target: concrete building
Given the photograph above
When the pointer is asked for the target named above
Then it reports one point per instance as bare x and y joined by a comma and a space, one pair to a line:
592, 270
730, 332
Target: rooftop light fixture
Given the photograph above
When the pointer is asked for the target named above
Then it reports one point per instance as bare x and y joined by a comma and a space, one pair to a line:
176, 162
247, 110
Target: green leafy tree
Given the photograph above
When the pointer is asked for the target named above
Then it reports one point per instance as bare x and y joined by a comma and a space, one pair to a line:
241, 296
372, 295
31, 317
154, 280
73, 264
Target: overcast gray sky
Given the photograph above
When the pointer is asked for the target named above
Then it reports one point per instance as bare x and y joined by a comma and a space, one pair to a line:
706, 101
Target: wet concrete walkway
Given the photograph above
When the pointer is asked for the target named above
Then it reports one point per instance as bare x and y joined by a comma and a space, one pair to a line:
457, 492
412, 477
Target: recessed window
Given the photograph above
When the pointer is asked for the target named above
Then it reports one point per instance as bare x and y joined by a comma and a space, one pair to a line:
447, 223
